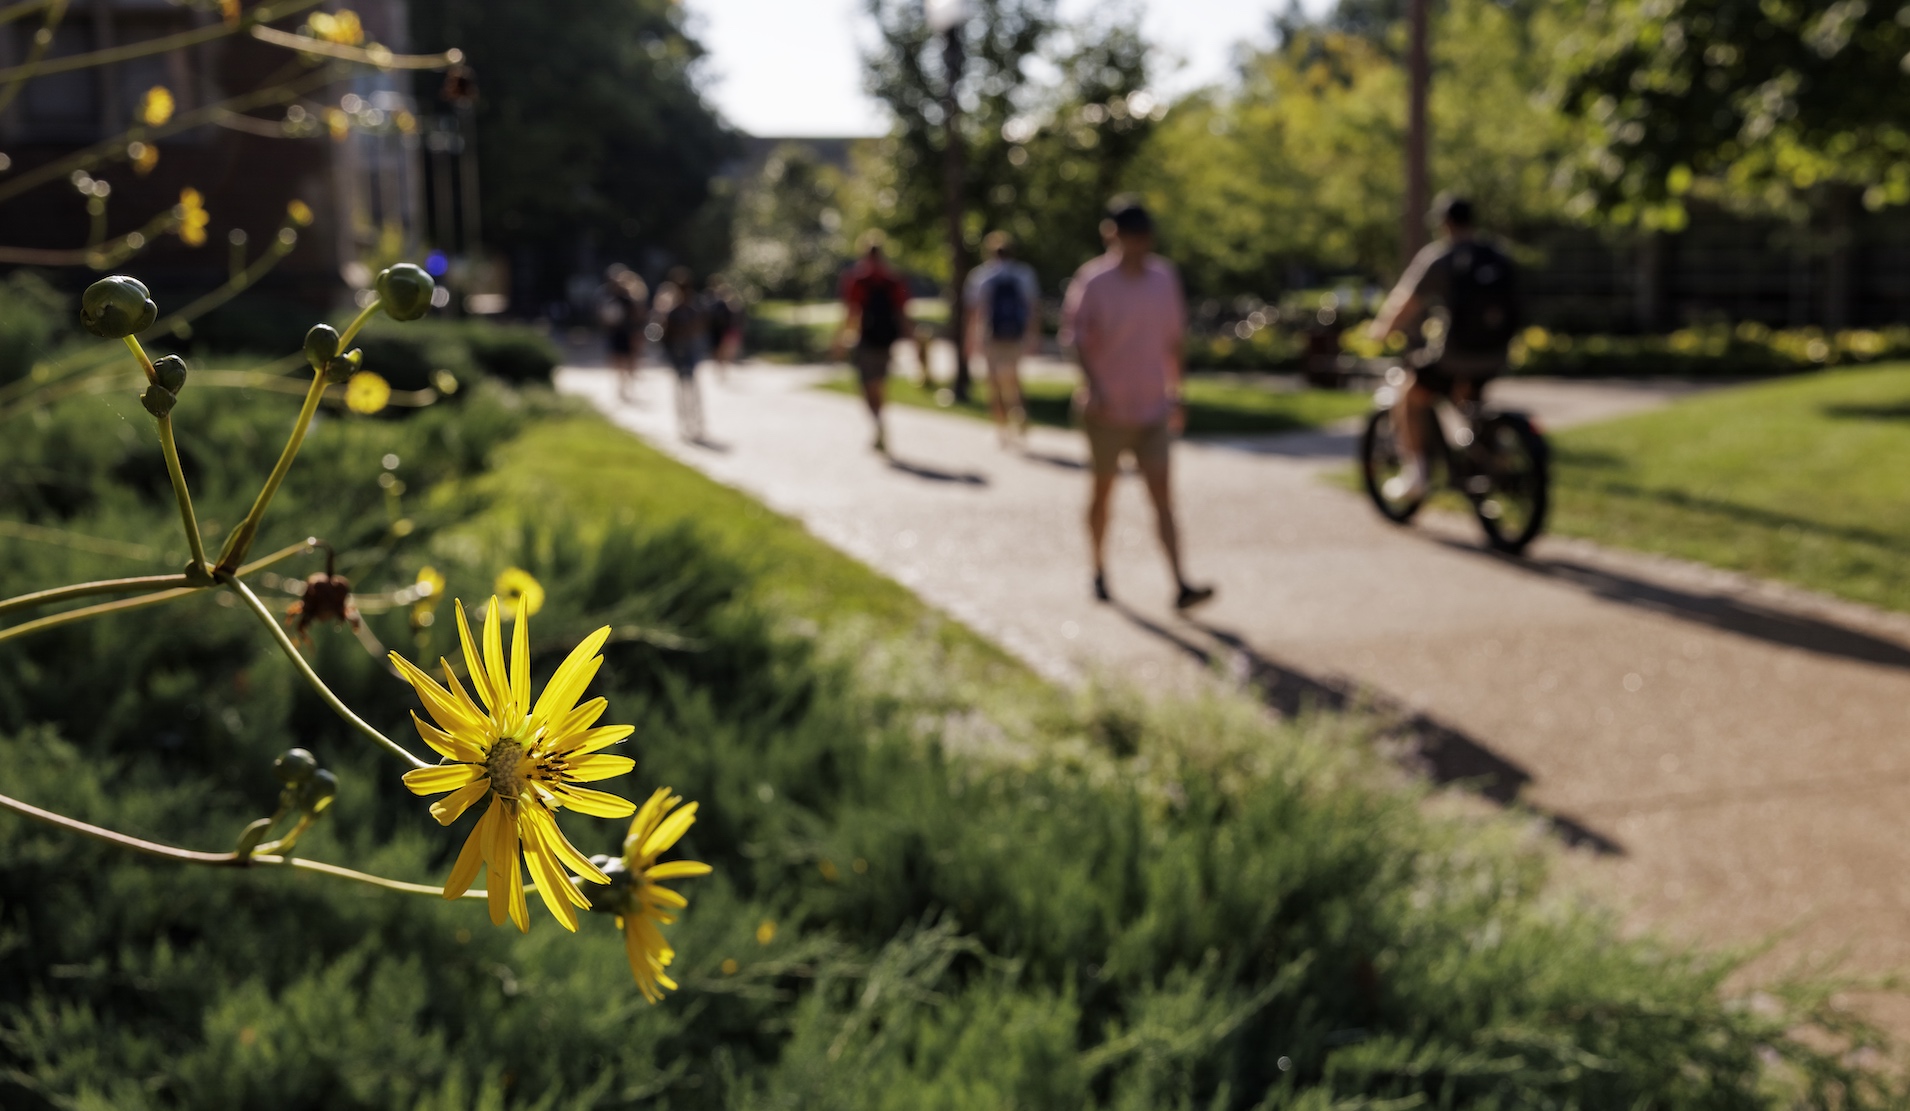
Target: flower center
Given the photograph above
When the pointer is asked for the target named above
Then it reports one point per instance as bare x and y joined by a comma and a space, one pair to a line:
506, 767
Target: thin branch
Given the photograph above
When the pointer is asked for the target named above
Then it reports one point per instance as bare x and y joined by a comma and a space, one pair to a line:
42, 42
291, 650
373, 55
161, 45
216, 860
85, 590
24, 8
20, 530
100, 610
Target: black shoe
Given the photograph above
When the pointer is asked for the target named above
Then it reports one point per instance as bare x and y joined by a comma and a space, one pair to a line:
1101, 589
1191, 596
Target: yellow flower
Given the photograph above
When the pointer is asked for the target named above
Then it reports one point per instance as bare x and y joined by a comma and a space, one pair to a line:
636, 898
367, 392
528, 757
156, 106
345, 29
229, 10
519, 586
193, 218
338, 123
300, 213
144, 157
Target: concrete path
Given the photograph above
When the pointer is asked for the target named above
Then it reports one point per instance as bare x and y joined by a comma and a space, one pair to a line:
1726, 752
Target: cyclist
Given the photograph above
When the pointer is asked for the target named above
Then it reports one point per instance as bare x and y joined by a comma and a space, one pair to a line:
1460, 299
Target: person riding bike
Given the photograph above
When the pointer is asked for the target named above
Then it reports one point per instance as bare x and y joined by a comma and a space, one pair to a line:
1460, 298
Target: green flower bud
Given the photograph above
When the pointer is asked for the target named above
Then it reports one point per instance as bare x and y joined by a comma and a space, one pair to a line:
346, 365
405, 290
321, 346
117, 307
316, 793
158, 400
171, 372
294, 766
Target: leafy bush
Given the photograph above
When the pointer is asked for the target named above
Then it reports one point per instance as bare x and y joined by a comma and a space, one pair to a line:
32, 313
1747, 350
408, 354
1122, 907
1263, 349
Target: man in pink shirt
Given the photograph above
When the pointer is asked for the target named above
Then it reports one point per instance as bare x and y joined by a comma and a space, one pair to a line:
1125, 318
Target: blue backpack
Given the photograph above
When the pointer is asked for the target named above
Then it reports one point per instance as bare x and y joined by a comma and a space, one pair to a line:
1007, 306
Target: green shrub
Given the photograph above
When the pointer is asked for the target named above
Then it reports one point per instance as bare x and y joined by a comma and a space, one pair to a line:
1746, 350
1214, 912
32, 321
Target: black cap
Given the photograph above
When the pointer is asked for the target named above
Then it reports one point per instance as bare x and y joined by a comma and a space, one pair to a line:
1130, 218
1450, 208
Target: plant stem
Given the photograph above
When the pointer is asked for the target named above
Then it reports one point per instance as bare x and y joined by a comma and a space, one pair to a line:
285, 644
187, 518
145, 361
82, 590
282, 554
358, 322
217, 860
241, 539
85, 612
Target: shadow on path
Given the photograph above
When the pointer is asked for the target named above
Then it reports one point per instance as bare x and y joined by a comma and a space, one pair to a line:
1313, 444
1063, 461
1715, 611
936, 474
1427, 746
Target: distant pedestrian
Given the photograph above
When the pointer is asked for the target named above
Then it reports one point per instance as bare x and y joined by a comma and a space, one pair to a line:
1004, 320
685, 339
1126, 319
725, 319
623, 313
877, 301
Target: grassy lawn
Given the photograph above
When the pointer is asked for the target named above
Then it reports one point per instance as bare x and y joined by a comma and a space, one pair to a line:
1805, 479
1213, 408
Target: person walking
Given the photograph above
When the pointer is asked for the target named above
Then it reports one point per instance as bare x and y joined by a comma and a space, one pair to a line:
1125, 318
877, 301
1004, 321
623, 313
725, 319
685, 334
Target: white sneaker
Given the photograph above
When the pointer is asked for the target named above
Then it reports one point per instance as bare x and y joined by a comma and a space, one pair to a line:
1408, 485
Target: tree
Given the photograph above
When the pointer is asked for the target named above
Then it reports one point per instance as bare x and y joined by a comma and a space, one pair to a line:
1755, 105
789, 238
592, 137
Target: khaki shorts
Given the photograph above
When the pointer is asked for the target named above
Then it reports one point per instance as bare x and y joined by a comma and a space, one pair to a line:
1004, 356
1108, 442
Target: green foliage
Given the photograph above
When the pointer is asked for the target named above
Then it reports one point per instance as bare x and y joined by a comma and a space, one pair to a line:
407, 355
1748, 350
1802, 479
789, 236
1041, 158
1297, 169
31, 312
589, 126
1759, 105
974, 904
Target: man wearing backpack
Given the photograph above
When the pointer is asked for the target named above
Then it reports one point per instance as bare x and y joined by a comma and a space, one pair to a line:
1003, 297
1461, 296
878, 315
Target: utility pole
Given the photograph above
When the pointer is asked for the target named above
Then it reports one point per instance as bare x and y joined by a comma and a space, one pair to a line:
1418, 191
947, 18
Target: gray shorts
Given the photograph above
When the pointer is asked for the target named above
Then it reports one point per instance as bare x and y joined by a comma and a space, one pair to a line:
872, 364
1108, 442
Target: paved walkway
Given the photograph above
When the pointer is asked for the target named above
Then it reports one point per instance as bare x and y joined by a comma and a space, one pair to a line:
1726, 751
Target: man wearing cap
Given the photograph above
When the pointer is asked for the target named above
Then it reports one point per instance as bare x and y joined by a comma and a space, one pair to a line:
1125, 318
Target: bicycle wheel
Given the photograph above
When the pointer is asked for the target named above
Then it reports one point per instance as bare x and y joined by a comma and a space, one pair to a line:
1516, 463
1380, 461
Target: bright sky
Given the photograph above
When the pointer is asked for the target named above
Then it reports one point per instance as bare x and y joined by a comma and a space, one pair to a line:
791, 67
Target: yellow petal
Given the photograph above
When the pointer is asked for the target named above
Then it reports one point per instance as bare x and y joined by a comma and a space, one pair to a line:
500, 860
521, 660
473, 662
677, 870
590, 740
597, 804
475, 712
549, 879
669, 830
580, 719
447, 744
645, 821
470, 858
447, 809
450, 716
556, 842
640, 965
571, 677
440, 778
499, 676
589, 769
663, 896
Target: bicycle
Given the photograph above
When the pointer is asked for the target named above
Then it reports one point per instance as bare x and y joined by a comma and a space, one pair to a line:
1498, 461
